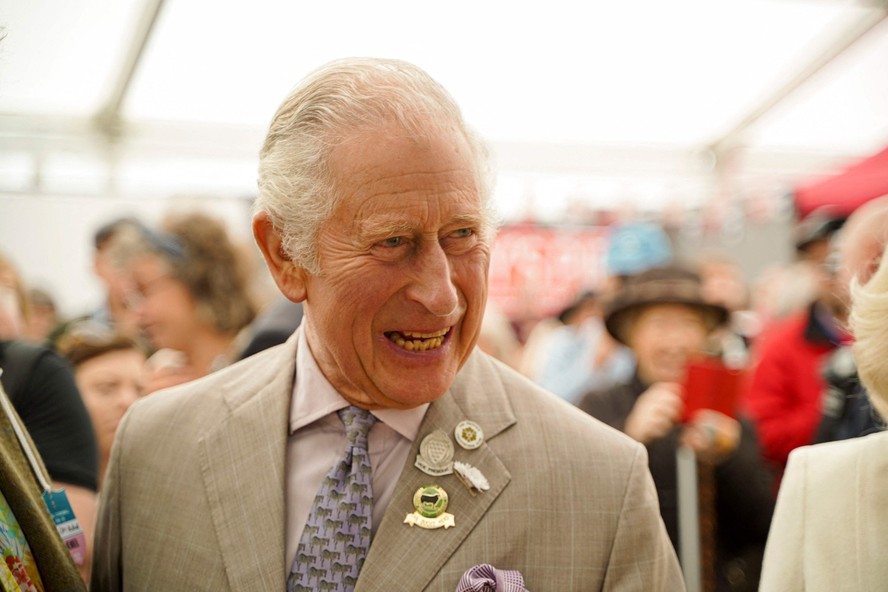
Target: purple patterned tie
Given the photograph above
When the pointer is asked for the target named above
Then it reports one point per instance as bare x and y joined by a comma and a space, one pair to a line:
336, 536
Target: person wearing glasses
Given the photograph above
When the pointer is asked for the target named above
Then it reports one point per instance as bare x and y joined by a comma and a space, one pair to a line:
189, 292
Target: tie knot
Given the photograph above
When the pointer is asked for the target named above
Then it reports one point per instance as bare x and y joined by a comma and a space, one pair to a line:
357, 424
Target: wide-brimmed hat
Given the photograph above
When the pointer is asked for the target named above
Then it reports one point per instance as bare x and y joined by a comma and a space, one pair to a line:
662, 285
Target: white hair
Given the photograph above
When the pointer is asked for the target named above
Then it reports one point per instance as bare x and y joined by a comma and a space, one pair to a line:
869, 324
297, 188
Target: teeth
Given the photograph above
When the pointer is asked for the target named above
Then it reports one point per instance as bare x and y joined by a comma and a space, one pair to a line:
415, 335
419, 341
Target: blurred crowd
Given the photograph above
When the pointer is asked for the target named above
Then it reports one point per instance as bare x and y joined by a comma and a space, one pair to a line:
675, 353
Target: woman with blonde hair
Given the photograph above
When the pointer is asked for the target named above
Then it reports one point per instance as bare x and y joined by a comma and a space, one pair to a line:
828, 531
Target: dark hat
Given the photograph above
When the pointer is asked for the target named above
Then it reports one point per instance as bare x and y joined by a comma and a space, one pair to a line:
819, 225
661, 285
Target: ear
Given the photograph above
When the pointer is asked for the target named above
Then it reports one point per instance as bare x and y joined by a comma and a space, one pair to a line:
288, 275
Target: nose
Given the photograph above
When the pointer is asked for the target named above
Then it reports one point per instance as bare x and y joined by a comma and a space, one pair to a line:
432, 281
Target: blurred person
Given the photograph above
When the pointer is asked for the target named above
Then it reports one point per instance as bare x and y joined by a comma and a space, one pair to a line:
109, 369
847, 412
536, 331
580, 355
41, 388
829, 525
43, 318
295, 467
801, 363
114, 311
189, 294
813, 233
662, 316
785, 388
782, 291
14, 303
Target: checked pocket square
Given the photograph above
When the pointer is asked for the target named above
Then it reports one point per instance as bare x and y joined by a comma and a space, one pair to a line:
486, 578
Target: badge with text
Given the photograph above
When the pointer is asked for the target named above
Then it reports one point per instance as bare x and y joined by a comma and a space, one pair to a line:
430, 502
468, 434
66, 523
435, 456
471, 477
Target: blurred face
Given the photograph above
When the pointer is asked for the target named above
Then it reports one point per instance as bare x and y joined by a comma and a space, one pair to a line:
397, 307
116, 282
165, 310
109, 384
664, 337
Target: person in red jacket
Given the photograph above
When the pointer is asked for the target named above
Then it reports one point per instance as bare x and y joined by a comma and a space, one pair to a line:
786, 392
786, 387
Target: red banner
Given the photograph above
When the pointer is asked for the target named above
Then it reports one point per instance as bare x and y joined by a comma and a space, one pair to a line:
537, 271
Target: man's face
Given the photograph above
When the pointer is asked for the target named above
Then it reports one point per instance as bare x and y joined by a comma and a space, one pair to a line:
664, 337
397, 307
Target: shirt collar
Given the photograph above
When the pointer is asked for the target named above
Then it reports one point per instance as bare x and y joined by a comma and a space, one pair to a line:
314, 397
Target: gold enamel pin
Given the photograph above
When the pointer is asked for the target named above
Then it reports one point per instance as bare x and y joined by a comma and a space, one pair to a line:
468, 434
435, 456
430, 502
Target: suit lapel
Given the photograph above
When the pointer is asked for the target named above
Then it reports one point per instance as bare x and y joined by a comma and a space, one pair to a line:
242, 466
404, 557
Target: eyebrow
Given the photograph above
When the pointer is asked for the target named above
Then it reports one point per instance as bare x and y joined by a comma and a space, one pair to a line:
381, 226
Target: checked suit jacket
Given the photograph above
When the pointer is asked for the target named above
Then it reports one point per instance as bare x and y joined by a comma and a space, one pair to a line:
194, 496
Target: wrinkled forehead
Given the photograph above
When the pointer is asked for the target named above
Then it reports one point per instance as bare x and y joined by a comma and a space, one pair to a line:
395, 158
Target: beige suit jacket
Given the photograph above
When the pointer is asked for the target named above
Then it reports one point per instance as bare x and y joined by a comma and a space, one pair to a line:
831, 522
194, 498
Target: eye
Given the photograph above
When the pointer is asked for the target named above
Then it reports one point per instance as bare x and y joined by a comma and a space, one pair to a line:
463, 232
392, 242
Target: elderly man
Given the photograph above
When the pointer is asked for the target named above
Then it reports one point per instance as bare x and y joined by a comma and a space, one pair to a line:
373, 211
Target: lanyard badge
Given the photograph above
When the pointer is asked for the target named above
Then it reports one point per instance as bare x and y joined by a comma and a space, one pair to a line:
56, 501
66, 523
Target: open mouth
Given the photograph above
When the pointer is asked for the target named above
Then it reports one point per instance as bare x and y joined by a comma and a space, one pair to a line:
414, 341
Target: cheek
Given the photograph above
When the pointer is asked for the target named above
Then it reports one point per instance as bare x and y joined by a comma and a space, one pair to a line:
694, 340
101, 408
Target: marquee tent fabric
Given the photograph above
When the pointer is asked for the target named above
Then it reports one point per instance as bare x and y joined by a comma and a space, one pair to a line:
846, 191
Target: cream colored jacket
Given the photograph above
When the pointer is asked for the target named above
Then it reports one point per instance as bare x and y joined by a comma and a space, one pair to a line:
830, 528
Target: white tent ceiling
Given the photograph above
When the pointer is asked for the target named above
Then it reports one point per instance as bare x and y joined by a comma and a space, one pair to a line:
657, 99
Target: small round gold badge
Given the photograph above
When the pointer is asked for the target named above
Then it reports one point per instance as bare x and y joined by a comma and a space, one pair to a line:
468, 434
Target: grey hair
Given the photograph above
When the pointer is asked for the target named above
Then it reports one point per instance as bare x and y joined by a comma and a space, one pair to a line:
297, 188
869, 324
